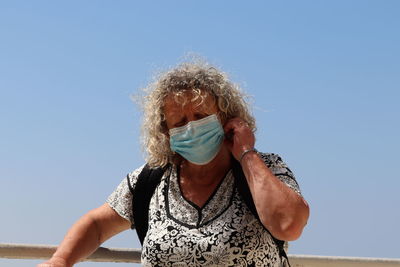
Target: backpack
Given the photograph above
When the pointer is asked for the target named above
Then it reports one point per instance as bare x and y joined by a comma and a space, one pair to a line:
148, 180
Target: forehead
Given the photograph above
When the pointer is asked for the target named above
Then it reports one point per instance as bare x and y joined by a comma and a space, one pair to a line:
199, 100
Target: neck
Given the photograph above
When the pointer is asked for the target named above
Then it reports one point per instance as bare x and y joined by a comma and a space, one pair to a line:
210, 173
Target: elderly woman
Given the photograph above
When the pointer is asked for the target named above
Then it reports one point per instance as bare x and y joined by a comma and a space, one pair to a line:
199, 135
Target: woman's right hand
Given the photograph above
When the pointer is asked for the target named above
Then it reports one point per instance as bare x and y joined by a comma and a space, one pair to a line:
86, 235
54, 262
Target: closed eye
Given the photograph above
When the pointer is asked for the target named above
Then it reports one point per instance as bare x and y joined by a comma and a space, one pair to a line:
180, 123
199, 116
184, 120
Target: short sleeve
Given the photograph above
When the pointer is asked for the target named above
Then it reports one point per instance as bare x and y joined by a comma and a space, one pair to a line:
121, 199
281, 170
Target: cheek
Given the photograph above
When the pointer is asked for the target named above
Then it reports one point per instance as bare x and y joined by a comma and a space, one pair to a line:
170, 119
164, 128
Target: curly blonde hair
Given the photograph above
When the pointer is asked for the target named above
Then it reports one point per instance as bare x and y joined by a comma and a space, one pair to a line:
200, 79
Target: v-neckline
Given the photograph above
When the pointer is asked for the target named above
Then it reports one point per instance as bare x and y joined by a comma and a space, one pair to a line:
188, 213
210, 197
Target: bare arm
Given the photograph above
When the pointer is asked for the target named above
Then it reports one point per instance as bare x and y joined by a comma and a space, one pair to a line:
86, 235
281, 210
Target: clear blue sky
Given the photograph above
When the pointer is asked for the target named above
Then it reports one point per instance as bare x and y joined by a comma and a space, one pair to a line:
325, 77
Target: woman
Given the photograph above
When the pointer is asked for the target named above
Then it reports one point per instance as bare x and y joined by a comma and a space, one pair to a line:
197, 127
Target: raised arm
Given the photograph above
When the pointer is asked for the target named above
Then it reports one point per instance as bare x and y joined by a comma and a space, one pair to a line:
281, 210
86, 235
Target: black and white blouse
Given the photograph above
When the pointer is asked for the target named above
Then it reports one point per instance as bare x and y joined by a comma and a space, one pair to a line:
223, 232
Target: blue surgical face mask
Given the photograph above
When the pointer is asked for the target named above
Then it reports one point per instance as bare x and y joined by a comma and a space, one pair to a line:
198, 141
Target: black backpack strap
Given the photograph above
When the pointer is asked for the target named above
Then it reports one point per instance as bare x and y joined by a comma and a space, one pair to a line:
146, 184
244, 192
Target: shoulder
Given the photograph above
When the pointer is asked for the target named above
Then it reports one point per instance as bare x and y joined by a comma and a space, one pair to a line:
280, 169
270, 158
133, 176
275, 162
121, 198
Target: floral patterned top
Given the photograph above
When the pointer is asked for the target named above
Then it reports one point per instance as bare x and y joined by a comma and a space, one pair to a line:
223, 232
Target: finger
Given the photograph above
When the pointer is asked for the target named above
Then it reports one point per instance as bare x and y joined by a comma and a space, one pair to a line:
243, 124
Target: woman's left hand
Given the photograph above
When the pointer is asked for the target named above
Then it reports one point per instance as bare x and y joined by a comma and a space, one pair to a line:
239, 136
